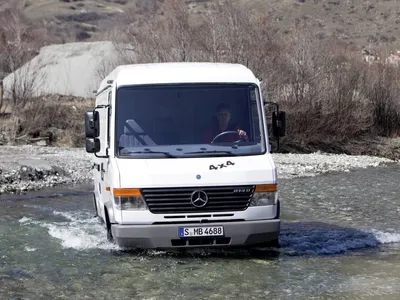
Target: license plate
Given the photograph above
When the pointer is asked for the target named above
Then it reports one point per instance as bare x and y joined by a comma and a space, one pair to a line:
201, 231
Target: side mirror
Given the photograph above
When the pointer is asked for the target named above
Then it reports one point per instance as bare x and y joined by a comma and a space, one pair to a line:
92, 145
92, 124
279, 123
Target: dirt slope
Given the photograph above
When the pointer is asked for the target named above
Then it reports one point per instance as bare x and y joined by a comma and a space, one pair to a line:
364, 23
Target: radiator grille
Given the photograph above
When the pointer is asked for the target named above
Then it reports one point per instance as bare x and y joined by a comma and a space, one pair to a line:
178, 200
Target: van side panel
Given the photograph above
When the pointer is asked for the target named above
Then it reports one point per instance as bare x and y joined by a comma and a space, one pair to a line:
100, 161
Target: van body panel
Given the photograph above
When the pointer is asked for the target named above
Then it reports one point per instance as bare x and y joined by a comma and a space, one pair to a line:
167, 73
195, 171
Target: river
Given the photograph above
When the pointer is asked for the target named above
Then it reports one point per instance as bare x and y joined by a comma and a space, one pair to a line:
340, 239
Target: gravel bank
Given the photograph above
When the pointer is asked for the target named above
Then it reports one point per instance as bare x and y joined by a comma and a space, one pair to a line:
301, 165
25, 168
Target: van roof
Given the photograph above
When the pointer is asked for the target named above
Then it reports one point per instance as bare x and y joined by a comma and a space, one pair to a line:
180, 72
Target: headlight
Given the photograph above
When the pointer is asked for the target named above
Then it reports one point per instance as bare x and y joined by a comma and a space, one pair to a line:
264, 199
130, 203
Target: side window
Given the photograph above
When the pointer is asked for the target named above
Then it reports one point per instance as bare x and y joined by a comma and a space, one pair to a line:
255, 116
109, 118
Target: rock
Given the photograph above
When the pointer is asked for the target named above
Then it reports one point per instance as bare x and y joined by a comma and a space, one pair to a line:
41, 143
59, 171
54, 134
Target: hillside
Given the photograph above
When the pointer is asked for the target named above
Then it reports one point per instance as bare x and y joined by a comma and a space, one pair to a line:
307, 53
362, 23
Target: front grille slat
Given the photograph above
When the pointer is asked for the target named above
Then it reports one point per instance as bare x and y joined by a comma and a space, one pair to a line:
180, 204
207, 208
238, 198
178, 200
164, 200
156, 195
222, 203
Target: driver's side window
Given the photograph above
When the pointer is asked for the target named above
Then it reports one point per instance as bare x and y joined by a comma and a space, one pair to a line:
255, 116
256, 123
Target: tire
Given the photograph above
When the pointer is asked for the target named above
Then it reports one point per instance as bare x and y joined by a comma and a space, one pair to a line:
110, 237
96, 214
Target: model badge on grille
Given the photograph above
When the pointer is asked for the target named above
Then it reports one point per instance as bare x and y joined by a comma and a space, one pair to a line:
242, 191
199, 198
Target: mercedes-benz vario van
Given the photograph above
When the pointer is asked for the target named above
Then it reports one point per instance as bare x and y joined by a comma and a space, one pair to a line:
182, 157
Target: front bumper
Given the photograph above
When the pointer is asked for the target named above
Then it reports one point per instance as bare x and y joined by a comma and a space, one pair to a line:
166, 236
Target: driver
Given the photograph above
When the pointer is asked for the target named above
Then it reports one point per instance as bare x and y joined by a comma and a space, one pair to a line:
224, 124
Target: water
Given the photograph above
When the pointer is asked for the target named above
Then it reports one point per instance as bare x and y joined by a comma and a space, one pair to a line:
340, 240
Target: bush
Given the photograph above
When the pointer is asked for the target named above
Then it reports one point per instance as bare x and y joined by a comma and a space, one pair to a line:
57, 119
383, 91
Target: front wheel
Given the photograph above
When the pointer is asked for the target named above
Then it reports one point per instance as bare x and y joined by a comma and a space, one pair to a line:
96, 214
110, 237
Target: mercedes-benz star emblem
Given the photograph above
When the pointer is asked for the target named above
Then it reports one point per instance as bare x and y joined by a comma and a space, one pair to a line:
199, 198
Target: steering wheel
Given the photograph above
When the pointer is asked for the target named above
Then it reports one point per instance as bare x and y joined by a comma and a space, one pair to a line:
226, 133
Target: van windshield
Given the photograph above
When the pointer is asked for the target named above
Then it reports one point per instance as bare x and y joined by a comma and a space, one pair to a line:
189, 120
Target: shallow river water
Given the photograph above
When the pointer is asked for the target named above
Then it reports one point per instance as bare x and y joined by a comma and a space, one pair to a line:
340, 239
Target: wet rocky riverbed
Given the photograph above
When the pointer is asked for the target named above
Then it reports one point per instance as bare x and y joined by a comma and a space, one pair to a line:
340, 239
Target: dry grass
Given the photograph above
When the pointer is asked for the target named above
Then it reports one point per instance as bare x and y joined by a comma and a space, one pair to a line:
56, 119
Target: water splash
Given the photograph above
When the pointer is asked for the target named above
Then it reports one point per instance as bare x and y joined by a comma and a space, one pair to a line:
29, 249
25, 220
386, 237
81, 231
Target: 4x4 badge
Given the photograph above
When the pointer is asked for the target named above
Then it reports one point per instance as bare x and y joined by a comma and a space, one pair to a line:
221, 166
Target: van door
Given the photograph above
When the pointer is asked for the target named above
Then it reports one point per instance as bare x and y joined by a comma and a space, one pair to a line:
102, 159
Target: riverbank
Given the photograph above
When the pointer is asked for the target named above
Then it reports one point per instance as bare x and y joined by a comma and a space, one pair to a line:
28, 168
375, 146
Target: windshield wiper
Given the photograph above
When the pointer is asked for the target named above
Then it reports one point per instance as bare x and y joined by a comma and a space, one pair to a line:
167, 154
230, 153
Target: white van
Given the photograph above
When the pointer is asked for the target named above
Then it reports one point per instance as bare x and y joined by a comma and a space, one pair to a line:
182, 157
